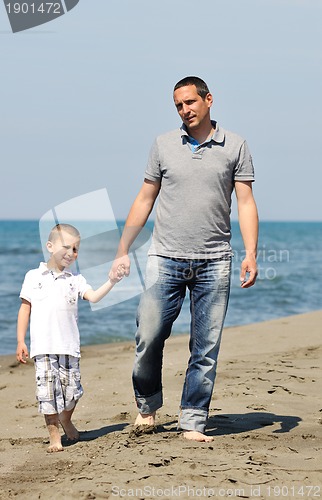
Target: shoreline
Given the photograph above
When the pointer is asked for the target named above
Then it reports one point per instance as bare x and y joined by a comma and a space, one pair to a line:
265, 417
121, 341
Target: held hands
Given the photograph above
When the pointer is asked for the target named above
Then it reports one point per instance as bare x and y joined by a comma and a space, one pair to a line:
249, 267
22, 352
120, 268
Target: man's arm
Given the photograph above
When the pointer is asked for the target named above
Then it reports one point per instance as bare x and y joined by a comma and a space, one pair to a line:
22, 326
138, 215
248, 223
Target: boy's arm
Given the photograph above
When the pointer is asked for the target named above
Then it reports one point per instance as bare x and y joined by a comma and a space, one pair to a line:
97, 295
22, 327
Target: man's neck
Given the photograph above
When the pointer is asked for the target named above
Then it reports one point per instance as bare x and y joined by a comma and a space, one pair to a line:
201, 134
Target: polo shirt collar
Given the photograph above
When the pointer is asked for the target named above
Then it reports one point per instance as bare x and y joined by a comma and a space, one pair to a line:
44, 270
218, 135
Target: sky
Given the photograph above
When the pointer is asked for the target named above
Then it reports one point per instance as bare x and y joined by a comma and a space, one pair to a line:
84, 96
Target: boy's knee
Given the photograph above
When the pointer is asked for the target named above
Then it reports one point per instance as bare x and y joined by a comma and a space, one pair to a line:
52, 419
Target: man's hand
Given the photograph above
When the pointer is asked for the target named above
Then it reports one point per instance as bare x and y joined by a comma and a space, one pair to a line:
22, 352
120, 268
249, 267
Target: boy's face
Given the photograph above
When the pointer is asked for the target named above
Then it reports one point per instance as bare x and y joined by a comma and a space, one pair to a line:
63, 249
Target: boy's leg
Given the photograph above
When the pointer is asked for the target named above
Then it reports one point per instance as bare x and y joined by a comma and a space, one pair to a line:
70, 380
46, 368
52, 423
67, 424
58, 390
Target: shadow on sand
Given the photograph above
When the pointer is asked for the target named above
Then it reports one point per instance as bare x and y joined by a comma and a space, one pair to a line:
244, 422
94, 434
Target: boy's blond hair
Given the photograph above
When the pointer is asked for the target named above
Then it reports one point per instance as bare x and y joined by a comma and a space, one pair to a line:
56, 231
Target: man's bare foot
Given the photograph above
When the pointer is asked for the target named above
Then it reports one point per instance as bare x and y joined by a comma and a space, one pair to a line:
144, 424
148, 419
197, 436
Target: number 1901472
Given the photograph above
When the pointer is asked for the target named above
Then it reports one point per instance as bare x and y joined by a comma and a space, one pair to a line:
33, 8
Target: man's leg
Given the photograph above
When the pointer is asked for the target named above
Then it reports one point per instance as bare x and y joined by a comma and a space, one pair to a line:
159, 307
209, 293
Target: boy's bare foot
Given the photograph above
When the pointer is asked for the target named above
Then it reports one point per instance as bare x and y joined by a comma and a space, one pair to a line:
70, 429
68, 426
52, 448
148, 419
52, 423
197, 436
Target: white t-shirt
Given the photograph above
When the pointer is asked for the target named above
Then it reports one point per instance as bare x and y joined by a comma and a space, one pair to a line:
54, 300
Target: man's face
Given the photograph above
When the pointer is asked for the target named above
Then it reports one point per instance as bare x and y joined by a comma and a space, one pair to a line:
193, 110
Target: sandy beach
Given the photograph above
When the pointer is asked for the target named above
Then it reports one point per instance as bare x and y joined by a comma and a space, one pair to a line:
265, 417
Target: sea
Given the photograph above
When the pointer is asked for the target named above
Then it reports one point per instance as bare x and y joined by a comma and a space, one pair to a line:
289, 280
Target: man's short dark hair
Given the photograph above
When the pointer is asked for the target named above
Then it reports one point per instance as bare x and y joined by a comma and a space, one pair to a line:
201, 86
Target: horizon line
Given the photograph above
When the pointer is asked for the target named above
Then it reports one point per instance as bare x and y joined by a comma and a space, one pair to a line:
19, 219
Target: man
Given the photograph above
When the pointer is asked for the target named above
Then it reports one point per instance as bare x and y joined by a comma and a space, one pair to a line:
194, 171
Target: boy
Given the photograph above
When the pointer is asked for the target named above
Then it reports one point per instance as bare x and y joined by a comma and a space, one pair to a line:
49, 300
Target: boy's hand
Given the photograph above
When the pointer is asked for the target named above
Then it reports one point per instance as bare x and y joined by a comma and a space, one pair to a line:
120, 272
119, 269
22, 352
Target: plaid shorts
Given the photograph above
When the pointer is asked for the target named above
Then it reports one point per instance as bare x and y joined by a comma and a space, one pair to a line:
58, 382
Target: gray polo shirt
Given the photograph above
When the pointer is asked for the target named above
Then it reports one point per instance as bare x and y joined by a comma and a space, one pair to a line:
193, 212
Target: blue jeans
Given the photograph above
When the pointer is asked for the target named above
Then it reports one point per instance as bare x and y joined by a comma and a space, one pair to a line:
208, 281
